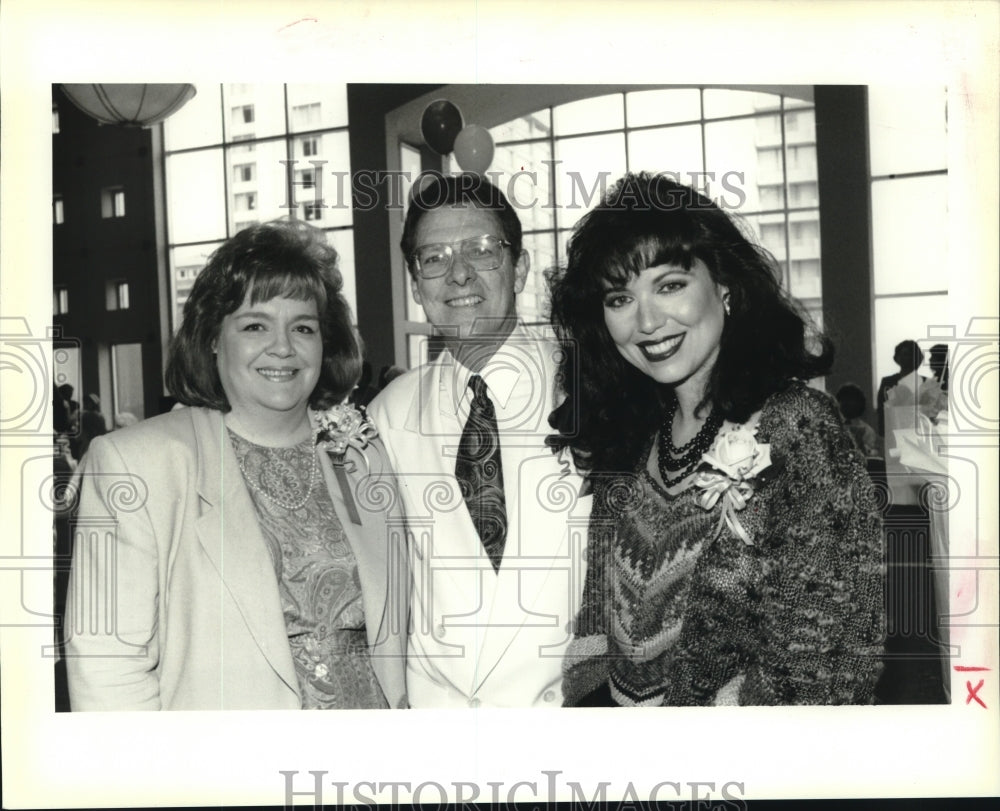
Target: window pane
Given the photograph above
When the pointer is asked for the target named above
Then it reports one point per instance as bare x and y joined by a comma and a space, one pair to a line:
532, 302
662, 106
253, 110
186, 262
196, 175
343, 244
910, 234
416, 350
533, 125
599, 113
266, 196
804, 278
745, 154
722, 103
804, 254
329, 162
768, 230
526, 181
197, 123
586, 168
901, 319
316, 106
907, 129
671, 149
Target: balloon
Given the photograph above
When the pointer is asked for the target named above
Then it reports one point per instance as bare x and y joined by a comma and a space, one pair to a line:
474, 149
441, 122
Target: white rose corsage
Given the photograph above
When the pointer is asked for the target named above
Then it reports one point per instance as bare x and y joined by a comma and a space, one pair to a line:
736, 457
337, 429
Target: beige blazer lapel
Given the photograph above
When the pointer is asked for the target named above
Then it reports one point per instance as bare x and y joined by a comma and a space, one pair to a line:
367, 505
230, 535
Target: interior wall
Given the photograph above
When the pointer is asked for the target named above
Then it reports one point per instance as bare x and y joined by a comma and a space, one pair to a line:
89, 251
367, 105
845, 232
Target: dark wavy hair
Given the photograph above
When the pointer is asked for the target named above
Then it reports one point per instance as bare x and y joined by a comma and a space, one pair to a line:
645, 220
435, 190
283, 258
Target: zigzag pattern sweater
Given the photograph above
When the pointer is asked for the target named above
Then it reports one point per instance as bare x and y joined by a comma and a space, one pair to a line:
677, 612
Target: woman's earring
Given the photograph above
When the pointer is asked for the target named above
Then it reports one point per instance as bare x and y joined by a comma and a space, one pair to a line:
725, 303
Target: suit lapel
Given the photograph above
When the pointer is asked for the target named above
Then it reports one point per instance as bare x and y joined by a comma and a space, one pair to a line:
426, 472
547, 537
230, 535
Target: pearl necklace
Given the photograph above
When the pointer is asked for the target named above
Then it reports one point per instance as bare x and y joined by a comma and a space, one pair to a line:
314, 469
670, 459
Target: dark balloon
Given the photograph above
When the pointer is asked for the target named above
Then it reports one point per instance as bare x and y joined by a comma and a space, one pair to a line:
441, 123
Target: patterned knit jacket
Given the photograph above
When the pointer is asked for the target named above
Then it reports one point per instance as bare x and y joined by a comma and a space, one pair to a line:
793, 615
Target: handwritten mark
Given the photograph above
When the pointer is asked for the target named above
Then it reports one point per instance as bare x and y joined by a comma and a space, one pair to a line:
974, 693
303, 20
967, 669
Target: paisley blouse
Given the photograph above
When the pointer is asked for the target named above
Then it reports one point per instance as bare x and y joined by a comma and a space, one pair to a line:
317, 575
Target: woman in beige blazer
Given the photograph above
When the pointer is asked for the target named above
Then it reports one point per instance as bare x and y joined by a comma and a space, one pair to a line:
243, 553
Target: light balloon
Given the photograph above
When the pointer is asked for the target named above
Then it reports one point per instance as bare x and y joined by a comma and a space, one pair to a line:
474, 149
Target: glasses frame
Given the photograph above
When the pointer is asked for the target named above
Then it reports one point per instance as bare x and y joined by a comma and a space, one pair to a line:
449, 249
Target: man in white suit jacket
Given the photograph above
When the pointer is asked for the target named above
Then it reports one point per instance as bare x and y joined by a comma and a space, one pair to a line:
480, 636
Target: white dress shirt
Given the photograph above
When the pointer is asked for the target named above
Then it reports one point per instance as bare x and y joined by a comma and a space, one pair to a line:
479, 637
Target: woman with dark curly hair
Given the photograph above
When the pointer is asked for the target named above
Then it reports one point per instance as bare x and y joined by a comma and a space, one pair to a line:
239, 565
735, 552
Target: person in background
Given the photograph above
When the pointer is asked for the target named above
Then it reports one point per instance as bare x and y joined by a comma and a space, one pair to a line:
92, 422
496, 567
125, 419
388, 374
365, 391
908, 356
938, 362
251, 570
64, 394
851, 401
735, 550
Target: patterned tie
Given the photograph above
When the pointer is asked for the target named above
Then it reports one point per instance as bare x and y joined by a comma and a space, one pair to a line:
480, 473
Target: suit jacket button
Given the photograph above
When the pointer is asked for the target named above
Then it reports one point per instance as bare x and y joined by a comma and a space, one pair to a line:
549, 695
474, 702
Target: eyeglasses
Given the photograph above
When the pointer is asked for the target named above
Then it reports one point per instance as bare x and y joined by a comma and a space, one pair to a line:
479, 253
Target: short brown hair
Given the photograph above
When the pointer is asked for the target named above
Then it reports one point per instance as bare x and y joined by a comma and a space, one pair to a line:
284, 258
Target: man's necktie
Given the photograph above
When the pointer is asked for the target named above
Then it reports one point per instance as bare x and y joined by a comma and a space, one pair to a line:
480, 473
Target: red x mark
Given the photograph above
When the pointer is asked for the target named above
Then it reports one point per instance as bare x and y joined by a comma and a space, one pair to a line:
974, 693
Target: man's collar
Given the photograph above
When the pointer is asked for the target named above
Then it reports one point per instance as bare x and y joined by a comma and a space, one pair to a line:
500, 376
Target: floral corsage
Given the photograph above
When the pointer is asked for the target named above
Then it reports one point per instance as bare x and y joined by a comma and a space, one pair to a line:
338, 428
344, 426
735, 459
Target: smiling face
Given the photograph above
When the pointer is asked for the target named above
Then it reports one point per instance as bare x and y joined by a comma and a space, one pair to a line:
269, 355
464, 302
667, 322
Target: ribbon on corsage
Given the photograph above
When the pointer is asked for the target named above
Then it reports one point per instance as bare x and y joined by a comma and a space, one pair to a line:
736, 457
338, 428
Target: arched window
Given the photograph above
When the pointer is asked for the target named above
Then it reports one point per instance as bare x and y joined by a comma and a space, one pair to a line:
753, 152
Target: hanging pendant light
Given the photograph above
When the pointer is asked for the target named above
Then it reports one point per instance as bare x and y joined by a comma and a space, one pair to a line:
129, 105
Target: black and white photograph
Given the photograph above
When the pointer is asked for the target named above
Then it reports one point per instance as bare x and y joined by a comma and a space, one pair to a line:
547, 388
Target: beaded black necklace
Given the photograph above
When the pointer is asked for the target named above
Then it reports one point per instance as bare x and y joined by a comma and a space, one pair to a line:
670, 458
